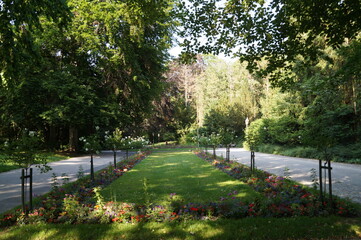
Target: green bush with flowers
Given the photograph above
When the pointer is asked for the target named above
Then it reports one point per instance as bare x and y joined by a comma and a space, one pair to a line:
24, 151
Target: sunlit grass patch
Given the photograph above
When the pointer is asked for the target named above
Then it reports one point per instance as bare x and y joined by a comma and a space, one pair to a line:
247, 228
180, 172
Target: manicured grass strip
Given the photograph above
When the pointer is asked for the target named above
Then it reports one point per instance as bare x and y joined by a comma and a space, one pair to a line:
248, 228
181, 172
183, 149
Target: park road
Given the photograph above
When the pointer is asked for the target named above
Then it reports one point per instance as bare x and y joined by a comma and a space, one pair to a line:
346, 178
10, 183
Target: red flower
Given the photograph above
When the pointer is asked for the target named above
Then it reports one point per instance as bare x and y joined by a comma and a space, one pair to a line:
306, 195
193, 209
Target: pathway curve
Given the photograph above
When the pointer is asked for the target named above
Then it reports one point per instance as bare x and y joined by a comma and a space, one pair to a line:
346, 178
10, 183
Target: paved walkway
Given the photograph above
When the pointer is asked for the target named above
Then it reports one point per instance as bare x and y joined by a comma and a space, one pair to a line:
346, 178
10, 183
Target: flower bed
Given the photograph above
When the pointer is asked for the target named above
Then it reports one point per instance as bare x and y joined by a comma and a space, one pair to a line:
282, 197
54, 206
81, 202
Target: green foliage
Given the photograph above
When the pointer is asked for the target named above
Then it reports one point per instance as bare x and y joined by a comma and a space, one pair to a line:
18, 20
92, 143
169, 136
256, 134
228, 93
101, 70
230, 117
327, 123
127, 143
284, 130
24, 151
189, 135
204, 141
215, 139
227, 137
174, 112
278, 31
347, 154
113, 141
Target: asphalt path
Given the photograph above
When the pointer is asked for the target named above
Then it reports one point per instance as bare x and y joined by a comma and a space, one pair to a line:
10, 183
346, 178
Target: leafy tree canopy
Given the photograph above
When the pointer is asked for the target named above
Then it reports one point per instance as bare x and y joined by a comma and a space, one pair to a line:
277, 31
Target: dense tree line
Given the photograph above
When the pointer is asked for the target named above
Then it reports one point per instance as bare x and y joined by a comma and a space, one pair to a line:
70, 67
309, 50
67, 67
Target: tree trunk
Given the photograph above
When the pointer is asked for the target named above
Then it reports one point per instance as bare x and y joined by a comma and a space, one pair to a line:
53, 136
73, 139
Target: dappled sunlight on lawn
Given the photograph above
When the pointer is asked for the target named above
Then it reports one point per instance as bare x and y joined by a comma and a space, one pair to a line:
251, 228
183, 173
166, 165
226, 183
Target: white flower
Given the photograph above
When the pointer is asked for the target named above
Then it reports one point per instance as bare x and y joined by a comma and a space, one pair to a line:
31, 133
97, 128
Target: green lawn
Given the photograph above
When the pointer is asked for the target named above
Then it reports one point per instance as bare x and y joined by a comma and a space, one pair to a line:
193, 180
248, 228
181, 172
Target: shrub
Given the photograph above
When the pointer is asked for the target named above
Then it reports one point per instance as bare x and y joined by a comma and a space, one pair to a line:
283, 130
256, 134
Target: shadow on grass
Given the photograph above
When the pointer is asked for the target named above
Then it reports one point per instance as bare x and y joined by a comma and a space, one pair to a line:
183, 173
249, 228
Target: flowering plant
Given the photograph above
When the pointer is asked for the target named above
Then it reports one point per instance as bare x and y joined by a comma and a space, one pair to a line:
133, 143
114, 140
91, 144
215, 139
281, 196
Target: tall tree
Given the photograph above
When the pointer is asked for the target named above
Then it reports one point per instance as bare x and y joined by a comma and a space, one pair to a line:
103, 69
